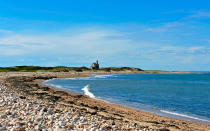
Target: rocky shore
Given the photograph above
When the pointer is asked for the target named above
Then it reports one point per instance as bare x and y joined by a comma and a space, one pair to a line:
27, 105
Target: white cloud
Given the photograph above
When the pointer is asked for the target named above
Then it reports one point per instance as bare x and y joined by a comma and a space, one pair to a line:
107, 45
22, 39
165, 27
199, 14
195, 48
13, 52
180, 50
101, 42
179, 24
5, 31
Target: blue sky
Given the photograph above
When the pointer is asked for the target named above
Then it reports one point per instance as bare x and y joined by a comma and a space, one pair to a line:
149, 34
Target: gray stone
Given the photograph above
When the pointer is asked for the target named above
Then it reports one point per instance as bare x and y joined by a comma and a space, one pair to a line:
3, 128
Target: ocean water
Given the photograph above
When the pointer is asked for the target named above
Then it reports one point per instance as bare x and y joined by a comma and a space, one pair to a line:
182, 96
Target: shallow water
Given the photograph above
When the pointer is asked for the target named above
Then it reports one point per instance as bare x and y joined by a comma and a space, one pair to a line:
183, 96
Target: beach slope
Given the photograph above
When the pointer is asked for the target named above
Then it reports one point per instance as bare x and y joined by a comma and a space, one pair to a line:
26, 104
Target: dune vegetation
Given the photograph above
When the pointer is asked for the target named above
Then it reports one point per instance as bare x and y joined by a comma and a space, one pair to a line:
62, 69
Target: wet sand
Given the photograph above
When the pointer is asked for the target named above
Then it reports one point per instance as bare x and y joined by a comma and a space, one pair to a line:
106, 116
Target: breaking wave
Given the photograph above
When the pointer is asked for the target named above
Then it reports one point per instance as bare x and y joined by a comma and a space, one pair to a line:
103, 76
87, 92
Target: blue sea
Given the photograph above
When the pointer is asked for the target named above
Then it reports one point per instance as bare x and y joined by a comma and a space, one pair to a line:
182, 96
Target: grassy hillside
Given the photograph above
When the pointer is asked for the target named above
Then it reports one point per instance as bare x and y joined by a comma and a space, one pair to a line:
62, 69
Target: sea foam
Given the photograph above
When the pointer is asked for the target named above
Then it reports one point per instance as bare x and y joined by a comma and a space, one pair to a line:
185, 116
103, 76
87, 92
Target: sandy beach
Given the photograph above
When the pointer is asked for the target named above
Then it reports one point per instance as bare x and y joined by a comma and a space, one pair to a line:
26, 104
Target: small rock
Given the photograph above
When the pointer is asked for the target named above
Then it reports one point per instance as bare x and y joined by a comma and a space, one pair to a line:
38, 127
38, 119
3, 128
22, 97
61, 123
164, 129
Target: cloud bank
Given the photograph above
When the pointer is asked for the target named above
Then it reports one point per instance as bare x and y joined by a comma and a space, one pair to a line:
112, 47
177, 45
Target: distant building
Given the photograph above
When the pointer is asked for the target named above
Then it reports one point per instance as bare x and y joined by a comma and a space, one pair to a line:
95, 66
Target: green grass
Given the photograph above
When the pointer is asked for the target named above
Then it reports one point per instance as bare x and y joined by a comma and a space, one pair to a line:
108, 69
62, 69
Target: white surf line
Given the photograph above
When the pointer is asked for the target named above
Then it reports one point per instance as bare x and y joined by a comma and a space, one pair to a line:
186, 116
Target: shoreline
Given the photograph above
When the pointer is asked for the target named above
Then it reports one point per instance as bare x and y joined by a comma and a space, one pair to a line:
119, 113
145, 108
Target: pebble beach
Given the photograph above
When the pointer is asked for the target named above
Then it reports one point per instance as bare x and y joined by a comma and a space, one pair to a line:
26, 105
22, 113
